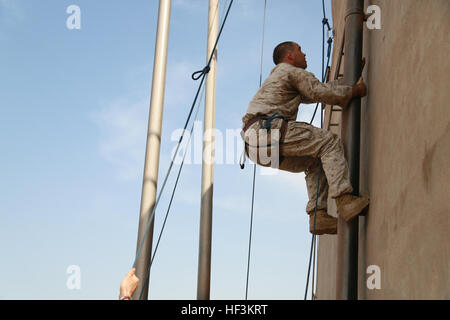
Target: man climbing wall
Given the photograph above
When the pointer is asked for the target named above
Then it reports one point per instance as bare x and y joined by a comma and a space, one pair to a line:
274, 138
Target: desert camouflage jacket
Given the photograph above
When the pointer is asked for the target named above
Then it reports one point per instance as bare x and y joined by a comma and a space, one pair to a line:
288, 86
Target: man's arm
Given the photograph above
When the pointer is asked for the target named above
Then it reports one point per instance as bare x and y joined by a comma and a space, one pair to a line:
128, 285
329, 93
359, 89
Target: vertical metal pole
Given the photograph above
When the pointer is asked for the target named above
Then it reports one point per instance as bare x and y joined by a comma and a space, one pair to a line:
347, 264
149, 185
204, 258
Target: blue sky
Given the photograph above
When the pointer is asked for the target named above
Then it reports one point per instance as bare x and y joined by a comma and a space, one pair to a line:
73, 122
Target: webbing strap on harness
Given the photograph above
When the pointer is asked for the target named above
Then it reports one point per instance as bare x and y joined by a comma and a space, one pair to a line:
266, 123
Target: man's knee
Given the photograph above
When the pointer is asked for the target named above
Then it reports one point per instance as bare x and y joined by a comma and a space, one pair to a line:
332, 137
332, 142
296, 164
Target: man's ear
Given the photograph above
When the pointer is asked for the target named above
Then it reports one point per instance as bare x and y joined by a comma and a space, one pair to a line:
289, 55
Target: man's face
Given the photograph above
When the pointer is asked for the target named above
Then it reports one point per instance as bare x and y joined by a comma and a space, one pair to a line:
298, 57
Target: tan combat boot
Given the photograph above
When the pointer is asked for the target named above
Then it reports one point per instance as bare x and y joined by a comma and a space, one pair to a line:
325, 224
349, 206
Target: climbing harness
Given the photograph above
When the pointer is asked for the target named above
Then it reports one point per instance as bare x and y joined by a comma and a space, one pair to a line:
266, 124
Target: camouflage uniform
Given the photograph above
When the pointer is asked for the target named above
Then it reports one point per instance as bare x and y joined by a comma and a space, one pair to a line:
303, 144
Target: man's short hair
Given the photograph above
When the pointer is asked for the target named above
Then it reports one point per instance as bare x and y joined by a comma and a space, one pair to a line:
281, 50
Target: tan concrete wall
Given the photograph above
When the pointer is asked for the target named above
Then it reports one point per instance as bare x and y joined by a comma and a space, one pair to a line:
405, 151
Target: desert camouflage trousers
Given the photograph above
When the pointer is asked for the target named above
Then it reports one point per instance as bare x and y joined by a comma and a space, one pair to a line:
302, 148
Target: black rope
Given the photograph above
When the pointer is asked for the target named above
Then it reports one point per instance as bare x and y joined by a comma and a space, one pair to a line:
202, 76
330, 42
314, 229
313, 238
251, 228
254, 165
170, 203
196, 75
168, 173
